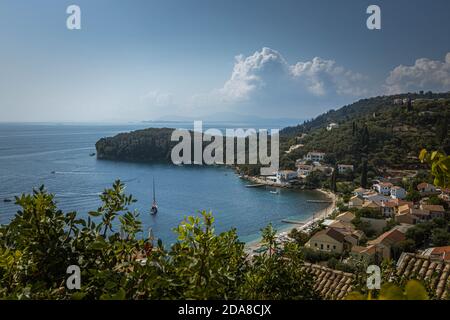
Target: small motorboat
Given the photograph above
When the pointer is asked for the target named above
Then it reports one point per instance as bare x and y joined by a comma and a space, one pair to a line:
274, 191
92, 154
7, 200
154, 209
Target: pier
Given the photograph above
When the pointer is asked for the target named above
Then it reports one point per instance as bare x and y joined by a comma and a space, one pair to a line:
319, 201
293, 222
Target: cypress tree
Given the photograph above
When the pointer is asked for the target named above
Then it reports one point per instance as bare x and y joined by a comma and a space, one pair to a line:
364, 174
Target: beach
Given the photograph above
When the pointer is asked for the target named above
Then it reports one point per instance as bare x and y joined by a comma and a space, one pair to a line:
304, 226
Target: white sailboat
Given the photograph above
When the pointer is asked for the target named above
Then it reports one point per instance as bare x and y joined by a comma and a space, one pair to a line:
154, 209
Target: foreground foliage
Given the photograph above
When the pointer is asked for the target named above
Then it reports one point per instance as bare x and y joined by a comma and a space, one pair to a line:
413, 290
41, 241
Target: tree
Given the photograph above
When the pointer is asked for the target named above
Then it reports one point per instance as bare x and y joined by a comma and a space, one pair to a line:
364, 174
333, 179
440, 237
442, 130
314, 179
279, 277
398, 248
38, 245
299, 237
420, 233
413, 195
269, 238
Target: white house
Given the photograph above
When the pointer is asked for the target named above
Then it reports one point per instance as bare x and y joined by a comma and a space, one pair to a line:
332, 126
315, 156
342, 168
303, 170
383, 188
398, 192
398, 101
285, 175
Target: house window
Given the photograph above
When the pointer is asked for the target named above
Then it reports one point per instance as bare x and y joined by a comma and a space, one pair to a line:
315, 244
334, 247
321, 246
328, 246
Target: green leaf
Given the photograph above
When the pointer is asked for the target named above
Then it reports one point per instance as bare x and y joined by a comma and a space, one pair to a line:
355, 296
414, 290
119, 295
78, 295
391, 292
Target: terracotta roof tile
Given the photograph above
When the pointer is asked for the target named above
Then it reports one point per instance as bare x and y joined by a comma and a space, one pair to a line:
330, 284
436, 273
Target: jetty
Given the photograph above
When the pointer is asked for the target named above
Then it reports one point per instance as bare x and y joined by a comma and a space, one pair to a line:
293, 222
319, 201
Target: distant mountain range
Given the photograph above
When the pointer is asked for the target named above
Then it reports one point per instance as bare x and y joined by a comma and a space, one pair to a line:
230, 117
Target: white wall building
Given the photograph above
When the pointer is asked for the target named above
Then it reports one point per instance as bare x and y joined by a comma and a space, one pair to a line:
383, 188
398, 192
315, 156
286, 175
332, 126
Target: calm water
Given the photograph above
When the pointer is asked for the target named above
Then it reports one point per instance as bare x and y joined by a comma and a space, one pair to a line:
30, 153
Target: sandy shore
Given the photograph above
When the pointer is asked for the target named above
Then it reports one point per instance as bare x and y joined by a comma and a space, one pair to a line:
319, 215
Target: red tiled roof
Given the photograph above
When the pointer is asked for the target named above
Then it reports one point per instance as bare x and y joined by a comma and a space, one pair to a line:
389, 238
424, 185
332, 233
433, 207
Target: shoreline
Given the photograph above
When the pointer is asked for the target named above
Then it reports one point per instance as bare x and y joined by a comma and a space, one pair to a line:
317, 216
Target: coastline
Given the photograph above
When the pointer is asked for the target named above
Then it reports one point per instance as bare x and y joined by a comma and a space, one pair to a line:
306, 224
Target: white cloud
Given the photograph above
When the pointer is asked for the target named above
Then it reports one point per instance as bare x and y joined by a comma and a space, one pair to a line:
425, 74
266, 73
324, 76
252, 73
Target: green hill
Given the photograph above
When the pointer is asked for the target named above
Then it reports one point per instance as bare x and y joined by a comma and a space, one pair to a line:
389, 134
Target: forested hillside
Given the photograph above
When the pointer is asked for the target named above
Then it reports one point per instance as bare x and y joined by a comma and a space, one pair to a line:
148, 145
388, 134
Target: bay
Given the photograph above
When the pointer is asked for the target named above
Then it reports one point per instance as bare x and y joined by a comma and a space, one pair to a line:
58, 156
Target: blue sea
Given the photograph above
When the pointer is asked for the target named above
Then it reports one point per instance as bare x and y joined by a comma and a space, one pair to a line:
58, 157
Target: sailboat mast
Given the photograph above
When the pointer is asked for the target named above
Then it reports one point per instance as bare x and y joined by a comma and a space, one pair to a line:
154, 197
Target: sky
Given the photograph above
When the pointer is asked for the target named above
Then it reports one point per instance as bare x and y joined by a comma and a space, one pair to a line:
138, 60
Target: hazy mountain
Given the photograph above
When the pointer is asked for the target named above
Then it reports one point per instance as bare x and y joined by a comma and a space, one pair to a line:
230, 117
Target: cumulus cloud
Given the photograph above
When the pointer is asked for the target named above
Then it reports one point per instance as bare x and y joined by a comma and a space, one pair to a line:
324, 76
267, 73
425, 74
